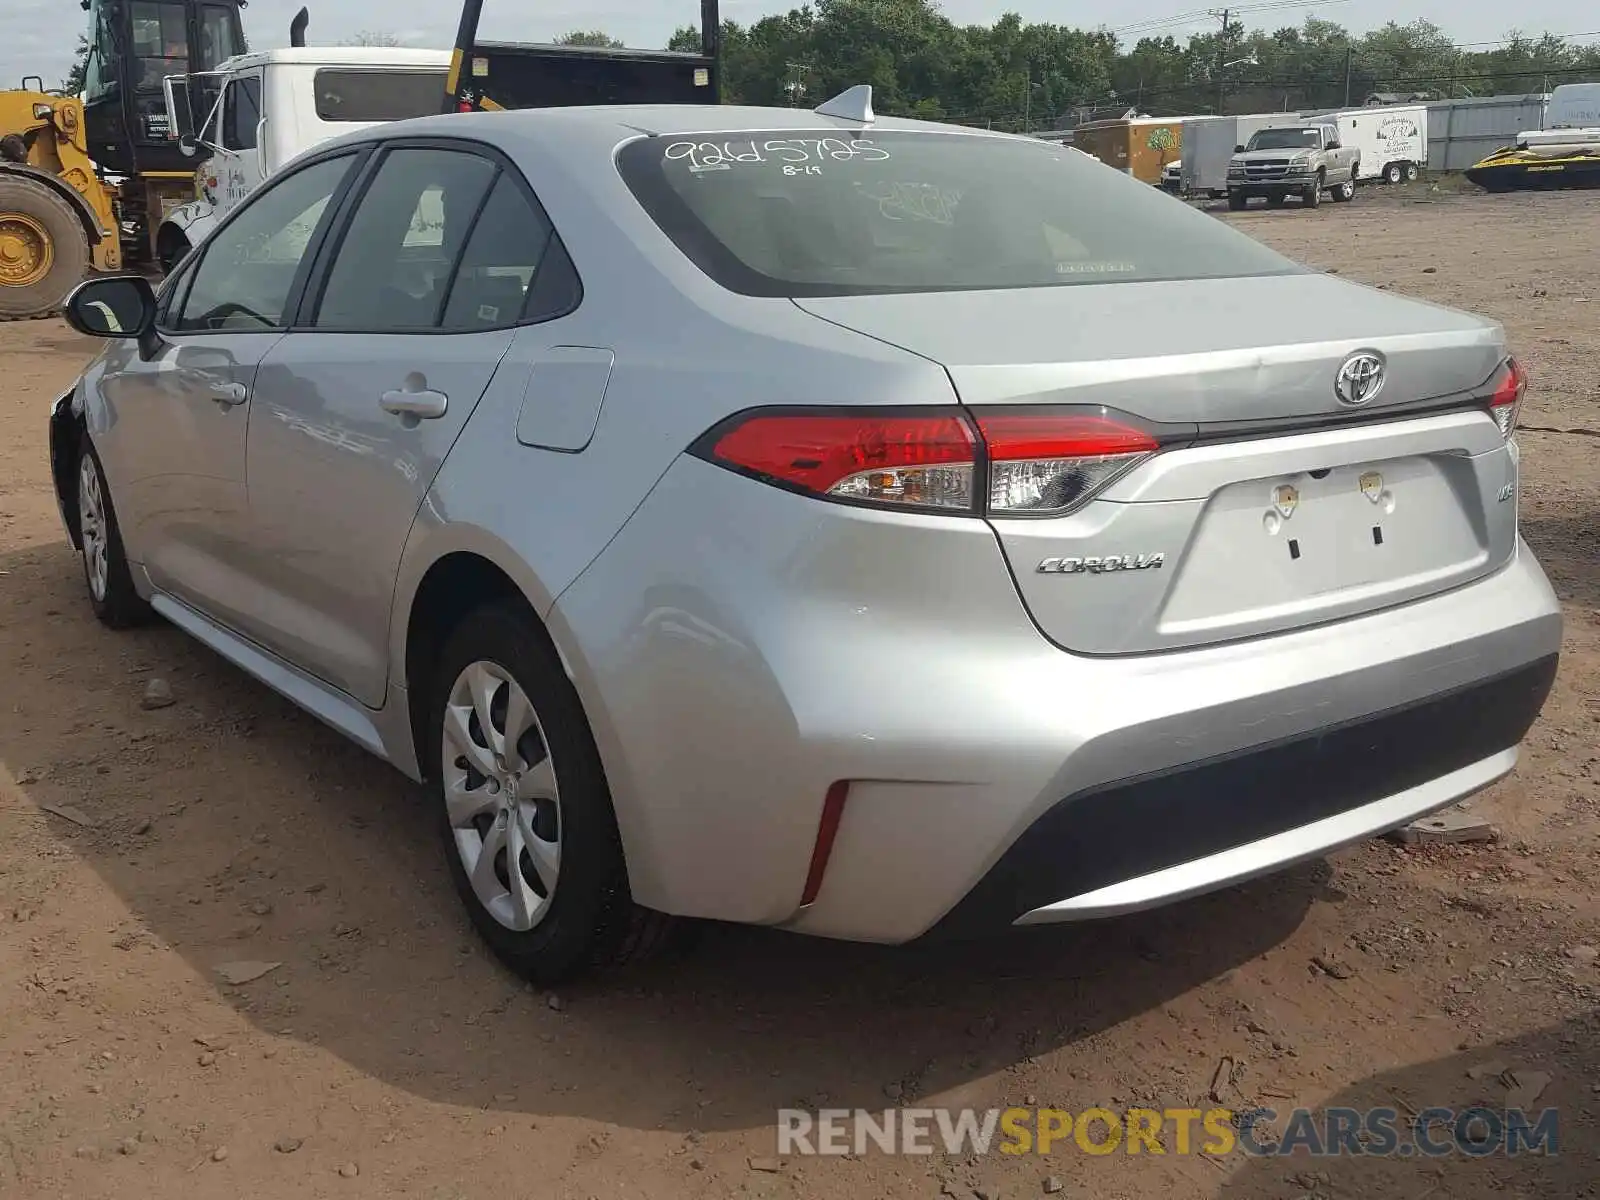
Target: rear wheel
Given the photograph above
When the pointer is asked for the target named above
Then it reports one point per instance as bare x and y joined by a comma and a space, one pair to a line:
1345, 192
1394, 173
524, 810
44, 251
1411, 172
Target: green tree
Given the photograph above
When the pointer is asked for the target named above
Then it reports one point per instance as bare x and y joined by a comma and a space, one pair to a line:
589, 37
75, 78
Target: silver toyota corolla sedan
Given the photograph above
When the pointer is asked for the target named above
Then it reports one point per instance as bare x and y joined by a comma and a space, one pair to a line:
866, 527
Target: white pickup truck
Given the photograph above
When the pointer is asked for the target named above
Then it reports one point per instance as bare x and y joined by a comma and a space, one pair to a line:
263, 109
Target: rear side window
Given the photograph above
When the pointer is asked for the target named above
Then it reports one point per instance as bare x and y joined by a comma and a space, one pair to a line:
501, 258
355, 95
833, 213
395, 261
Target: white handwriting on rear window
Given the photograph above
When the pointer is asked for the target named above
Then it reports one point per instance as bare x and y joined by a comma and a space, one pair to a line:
904, 201
794, 152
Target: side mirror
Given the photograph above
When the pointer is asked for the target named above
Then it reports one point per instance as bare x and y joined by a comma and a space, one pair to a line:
1334, 144
1238, 149
113, 306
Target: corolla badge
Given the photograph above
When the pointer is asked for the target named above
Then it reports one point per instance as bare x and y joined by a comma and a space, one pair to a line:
1360, 378
1101, 564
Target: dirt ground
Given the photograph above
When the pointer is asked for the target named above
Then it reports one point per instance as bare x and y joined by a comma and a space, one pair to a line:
389, 1056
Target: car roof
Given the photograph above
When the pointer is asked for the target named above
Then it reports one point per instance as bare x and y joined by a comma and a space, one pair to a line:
620, 122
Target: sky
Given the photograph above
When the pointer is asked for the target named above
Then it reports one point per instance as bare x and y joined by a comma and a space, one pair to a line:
37, 36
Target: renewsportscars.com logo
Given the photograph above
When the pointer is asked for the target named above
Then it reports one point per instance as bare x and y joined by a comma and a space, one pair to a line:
1218, 1132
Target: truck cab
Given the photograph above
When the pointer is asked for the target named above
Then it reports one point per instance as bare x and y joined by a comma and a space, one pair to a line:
1292, 160
268, 107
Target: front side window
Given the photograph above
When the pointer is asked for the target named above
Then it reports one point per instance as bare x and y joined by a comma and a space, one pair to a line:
160, 42
219, 38
241, 113
395, 261
244, 282
100, 72
832, 213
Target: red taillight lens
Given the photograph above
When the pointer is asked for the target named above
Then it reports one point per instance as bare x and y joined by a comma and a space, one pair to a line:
1040, 462
1046, 464
915, 460
1506, 402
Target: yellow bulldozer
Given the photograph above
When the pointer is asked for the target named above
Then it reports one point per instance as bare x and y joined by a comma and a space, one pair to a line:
57, 217
84, 182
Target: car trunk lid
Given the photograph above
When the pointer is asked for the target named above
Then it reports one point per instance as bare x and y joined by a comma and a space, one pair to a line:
1280, 506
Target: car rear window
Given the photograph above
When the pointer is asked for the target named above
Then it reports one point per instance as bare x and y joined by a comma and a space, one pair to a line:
831, 213
378, 95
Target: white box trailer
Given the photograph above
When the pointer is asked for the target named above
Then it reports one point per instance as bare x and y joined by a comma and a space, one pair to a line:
1392, 139
1208, 146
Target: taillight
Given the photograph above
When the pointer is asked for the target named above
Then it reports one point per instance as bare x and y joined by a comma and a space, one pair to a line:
1041, 462
1050, 463
1506, 403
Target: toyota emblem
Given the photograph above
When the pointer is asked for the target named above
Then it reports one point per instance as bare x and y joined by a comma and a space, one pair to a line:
1360, 378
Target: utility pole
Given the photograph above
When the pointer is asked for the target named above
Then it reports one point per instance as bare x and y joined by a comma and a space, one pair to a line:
1222, 60
1349, 60
796, 83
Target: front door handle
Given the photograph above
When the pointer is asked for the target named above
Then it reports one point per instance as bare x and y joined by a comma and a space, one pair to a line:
229, 394
421, 405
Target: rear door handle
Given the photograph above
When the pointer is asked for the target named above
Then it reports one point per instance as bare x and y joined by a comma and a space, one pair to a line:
229, 394
424, 405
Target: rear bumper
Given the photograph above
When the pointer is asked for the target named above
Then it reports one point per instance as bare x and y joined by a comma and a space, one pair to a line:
1161, 837
740, 649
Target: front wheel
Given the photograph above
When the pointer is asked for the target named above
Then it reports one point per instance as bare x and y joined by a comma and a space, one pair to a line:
171, 246
1236, 202
524, 810
1313, 195
105, 563
44, 251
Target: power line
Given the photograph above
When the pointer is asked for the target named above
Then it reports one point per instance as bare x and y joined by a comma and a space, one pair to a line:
1200, 15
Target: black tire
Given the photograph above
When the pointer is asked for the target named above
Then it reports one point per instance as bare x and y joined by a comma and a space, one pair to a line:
171, 246
1236, 202
1312, 196
1394, 173
1344, 193
119, 607
592, 921
1276, 200
1411, 172
35, 207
